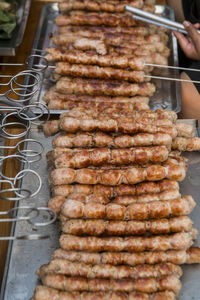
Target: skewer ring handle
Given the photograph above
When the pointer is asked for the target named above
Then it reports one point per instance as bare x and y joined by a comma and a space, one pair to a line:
34, 77
24, 172
51, 217
12, 212
30, 152
37, 67
41, 107
26, 194
22, 159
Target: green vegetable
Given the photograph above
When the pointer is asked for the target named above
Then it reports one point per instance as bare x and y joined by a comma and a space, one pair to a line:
8, 18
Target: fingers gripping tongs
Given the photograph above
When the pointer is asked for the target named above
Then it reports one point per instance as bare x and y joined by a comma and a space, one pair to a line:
150, 18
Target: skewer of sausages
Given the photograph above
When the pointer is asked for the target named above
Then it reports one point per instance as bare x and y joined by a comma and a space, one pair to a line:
88, 31
68, 268
145, 285
190, 256
44, 292
56, 202
89, 5
112, 114
97, 19
143, 188
111, 37
117, 177
147, 115
57, 104
80, 57
96, 157
96, 87
139, 30
109, 46
53, 94
135, 211
176, 241
72, 125
92, 41
100, 139
120, 228
174, 159
71, 102
89, 71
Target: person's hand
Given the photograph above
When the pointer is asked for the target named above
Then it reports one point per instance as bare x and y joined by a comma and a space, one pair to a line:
190, 44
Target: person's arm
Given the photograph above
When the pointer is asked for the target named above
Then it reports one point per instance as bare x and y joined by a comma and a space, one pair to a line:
178, 9
190, 44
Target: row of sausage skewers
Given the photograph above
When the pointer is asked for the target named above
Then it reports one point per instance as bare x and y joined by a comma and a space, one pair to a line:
101, 54
115, 165
123, 235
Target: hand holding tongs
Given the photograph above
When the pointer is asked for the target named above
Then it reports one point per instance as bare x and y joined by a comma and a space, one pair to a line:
147, 17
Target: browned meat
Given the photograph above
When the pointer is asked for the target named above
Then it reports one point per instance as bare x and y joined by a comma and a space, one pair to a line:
136, 211
89, 71
191, 256
95, 157
155, 189
97, 19
68, 268
80, 57
103, 194
95, 100
89, 5
44, 293
119, 228
176, 241
145, 285
100, 139
186, 144
95, 87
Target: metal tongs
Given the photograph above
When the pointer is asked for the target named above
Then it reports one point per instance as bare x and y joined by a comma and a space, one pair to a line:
147, 17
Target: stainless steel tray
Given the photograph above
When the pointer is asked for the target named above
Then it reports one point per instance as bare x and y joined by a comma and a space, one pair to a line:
167, 95
25, 257
9, 47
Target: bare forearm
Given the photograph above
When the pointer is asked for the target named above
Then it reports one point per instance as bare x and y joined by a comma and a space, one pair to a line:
178, 9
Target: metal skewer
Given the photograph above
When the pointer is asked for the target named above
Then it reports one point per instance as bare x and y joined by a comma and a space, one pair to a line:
172, 79
11, 212
28, 237
172, 67
22, 193
20, 175
24, 172
28, 216
27, 62
35, 76
30, 153
24, 113
46, 65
